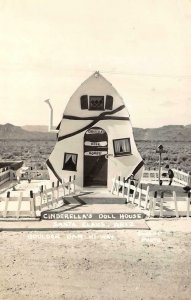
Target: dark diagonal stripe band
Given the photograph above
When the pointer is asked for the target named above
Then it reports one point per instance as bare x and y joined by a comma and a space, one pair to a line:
96, 120
53, 171
138, 167
68, 117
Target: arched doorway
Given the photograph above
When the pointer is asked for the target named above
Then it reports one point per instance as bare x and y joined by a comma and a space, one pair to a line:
95, 161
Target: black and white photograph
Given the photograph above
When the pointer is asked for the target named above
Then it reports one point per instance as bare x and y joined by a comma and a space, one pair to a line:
95, 149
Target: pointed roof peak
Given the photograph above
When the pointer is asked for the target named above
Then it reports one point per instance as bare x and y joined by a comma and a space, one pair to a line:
97, 74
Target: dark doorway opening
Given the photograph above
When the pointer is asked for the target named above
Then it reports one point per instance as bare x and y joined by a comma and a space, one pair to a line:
95, 157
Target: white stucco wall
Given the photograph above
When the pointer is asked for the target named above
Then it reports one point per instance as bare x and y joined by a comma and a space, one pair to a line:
116, 129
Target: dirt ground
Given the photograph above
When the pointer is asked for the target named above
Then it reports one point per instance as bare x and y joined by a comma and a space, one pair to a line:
114, 264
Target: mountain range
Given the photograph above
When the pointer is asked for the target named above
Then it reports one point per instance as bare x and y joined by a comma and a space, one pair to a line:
171, 133
12, 132
40, 132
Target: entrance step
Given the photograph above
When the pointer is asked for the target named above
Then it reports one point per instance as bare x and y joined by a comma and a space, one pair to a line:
83, 200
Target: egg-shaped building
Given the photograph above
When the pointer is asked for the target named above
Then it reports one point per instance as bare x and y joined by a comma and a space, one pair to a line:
95, 139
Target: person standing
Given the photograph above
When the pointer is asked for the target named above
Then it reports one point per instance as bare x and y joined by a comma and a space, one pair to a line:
170, 174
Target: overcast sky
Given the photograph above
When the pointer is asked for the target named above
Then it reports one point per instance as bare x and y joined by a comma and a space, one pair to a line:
49, 47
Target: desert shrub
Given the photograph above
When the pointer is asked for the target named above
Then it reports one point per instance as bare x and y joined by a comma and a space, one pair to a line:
39, 151
16, 153
184, 158
165, 158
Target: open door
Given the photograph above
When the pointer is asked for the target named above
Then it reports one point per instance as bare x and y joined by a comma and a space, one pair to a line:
95, 161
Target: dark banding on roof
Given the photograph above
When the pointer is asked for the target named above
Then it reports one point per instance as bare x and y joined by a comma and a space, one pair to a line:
58, 127
53, 171
138, 167
95, 118
99, 118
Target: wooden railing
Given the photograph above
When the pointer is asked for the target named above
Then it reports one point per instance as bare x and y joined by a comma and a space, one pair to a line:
5, 176
35, 203
153, 175
179, 176
182, 177
35, 174
159, 205
129, 191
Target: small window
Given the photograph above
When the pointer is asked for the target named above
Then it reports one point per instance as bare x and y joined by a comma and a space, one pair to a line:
96, 103
70, 162
122, 147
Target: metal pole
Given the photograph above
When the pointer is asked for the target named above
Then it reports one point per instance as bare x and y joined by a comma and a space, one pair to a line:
159, 166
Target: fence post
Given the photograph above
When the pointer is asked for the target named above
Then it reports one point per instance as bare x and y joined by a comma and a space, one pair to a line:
74, 184
6, 205
118, 184
19, 205
49, 197
147, 197
140, 191
188, 205
32, 204
41, 196
189, 178
53, 194
153, 204
69, 186
63, 186
134, 194
46, 195
123, 187
161, 204
57, 189
175, 204
113, 186
128, 191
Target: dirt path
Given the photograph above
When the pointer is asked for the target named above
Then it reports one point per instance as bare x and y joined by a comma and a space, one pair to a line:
119, 264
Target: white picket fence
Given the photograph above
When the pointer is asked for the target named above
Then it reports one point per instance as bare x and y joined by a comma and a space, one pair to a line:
153, 175
169, 206
179, 176
130, 192
182, 177
157, 206
33, 205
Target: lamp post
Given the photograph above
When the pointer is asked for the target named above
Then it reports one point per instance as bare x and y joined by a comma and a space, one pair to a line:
160, 151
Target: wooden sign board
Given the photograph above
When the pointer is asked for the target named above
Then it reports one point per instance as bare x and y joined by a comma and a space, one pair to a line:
95, 131
95, 153
91, 216
100, 144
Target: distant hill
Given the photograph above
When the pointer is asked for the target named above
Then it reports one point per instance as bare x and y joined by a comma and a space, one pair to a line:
170, 133
11, 132
166, 133
39, 128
